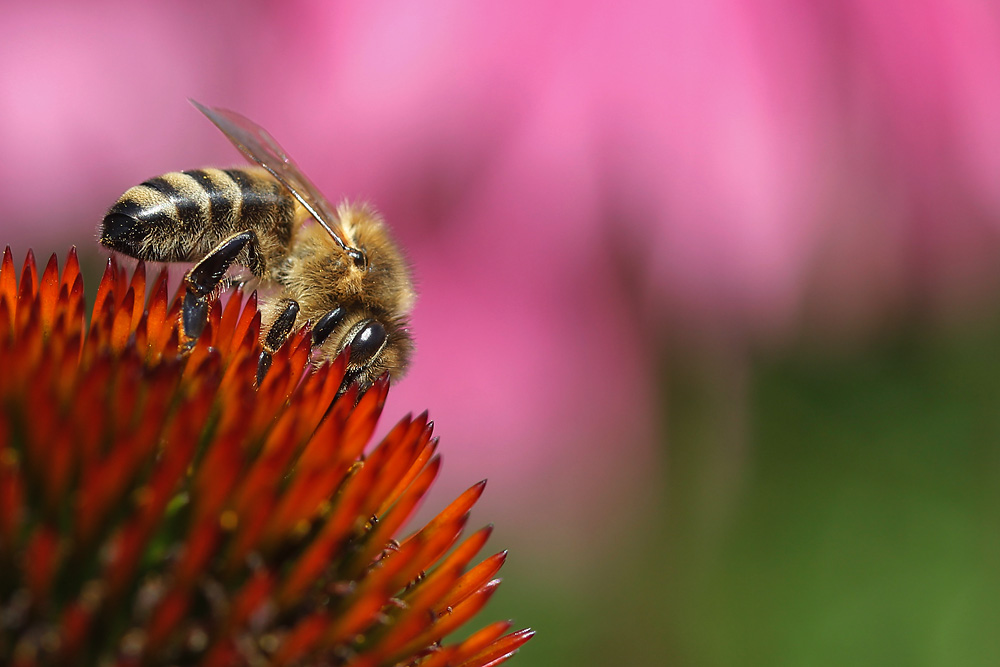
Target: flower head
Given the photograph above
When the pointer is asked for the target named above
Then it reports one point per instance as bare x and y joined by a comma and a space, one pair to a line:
158, 508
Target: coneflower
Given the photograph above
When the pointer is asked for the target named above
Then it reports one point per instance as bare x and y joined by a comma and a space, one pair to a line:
159, 508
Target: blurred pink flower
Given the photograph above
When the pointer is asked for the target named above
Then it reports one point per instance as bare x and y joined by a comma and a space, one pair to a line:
574, 181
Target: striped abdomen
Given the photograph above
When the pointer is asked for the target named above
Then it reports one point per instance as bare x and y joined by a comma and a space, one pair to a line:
181, 216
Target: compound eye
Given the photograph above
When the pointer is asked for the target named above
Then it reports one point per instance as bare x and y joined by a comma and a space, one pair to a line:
367, 342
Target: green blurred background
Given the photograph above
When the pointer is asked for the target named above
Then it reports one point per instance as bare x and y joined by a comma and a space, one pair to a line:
816, 509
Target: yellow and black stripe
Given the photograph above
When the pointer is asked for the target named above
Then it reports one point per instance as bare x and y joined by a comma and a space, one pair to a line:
182, 216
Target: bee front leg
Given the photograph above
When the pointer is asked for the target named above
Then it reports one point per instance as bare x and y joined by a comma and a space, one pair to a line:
325, 325
206, 275
276, 336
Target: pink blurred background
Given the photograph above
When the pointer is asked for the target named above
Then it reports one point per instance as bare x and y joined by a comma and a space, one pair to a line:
580, 187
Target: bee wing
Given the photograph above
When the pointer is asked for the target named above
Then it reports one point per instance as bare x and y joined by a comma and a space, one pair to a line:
259, 146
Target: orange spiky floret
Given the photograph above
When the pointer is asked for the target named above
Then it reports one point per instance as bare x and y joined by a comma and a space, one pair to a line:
156, 507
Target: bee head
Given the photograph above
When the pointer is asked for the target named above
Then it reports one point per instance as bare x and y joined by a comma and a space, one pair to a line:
377, 345
360, 299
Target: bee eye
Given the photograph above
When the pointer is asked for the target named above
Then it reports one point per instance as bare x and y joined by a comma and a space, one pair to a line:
367, 342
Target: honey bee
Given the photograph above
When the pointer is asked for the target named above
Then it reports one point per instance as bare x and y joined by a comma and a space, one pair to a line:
334, 267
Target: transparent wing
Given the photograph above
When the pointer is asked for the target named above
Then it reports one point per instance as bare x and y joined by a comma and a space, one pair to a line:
256, 144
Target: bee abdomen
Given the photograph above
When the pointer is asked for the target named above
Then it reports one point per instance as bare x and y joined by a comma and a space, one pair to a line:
180, 216
151, 220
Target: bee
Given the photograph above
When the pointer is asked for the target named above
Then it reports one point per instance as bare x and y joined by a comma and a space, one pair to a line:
334, 267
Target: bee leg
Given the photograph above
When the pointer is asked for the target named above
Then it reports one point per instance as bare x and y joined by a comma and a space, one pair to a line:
326, 324
276, 336
206, 275
321, 331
